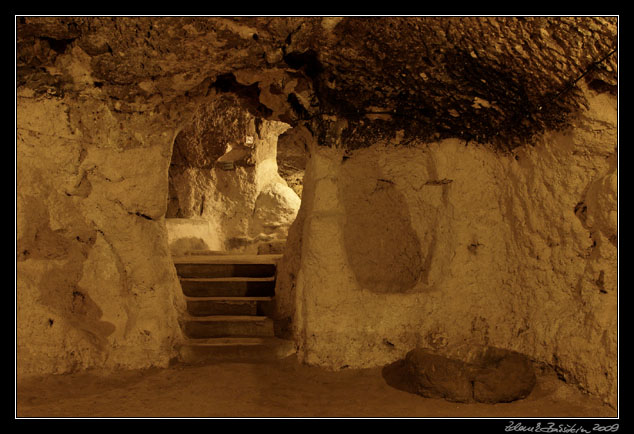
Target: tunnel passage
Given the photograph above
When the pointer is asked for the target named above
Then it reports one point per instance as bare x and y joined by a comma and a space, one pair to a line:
198, 147
292, 155
225, 189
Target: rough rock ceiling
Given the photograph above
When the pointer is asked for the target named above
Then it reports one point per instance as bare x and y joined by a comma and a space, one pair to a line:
352, 80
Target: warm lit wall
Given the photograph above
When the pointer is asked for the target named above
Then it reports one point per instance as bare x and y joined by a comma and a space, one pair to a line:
516, 250
95, 283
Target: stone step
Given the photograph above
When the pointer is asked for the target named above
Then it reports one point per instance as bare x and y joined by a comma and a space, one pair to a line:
249, 349
224, 270
206, 258
228, 286
203, 306
204, 253
219, 326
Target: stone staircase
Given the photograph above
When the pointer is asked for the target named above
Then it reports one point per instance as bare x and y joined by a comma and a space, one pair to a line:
229, 303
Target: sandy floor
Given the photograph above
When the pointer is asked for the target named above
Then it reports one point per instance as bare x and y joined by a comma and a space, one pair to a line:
273, 389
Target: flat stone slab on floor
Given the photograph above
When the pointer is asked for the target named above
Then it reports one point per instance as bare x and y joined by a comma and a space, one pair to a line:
470, 374
241, 349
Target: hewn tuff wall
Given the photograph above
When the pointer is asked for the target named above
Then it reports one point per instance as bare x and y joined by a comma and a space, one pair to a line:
442, 243
95, 283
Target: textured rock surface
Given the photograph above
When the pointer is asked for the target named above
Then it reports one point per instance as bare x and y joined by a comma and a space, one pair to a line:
509, 260
471, 374
480, 79
490, 80
275, 210
95, 284
516, 249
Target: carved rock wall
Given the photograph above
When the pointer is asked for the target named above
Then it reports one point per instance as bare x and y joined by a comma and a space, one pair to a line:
95, 282
523, 259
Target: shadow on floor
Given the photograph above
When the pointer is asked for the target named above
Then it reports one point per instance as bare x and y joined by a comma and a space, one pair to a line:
395, 375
